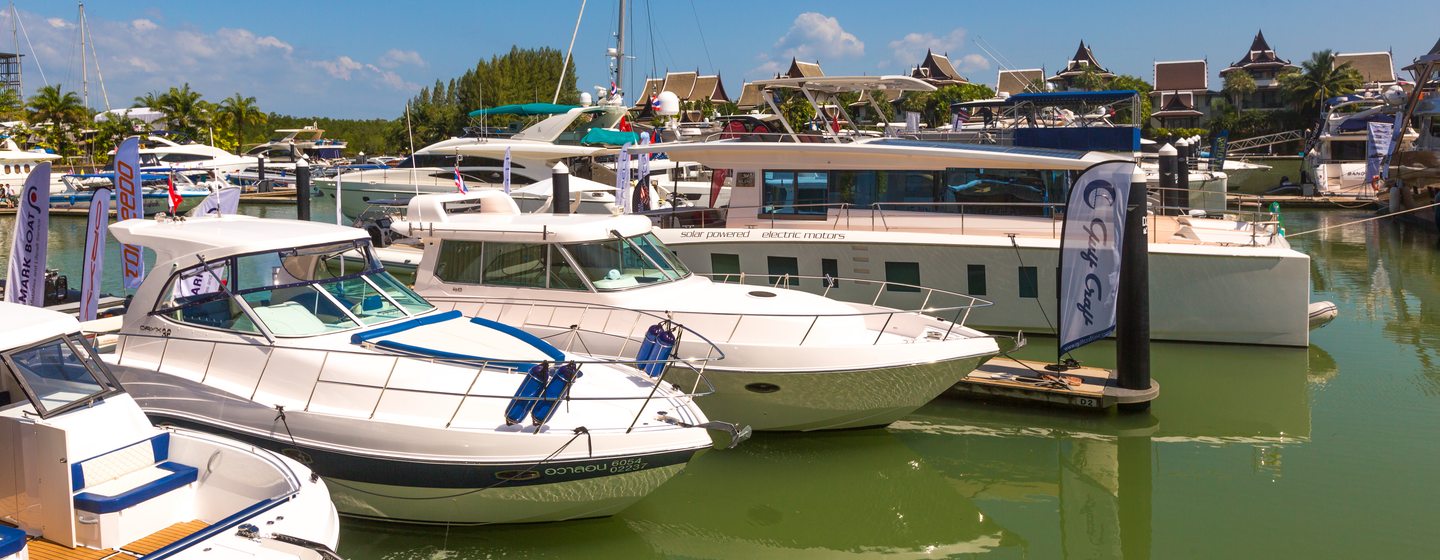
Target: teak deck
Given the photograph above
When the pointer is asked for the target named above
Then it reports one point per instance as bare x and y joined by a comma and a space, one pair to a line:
46, 550
1019, 379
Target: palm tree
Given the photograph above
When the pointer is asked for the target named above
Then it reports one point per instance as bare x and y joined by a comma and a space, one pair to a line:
150, 100
50, 104
1319, 79
239, 111
1239, 85
184, 109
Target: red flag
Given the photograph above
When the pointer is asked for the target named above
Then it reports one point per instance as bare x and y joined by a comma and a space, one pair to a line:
835, 122
717, 180
175, 198
624, 125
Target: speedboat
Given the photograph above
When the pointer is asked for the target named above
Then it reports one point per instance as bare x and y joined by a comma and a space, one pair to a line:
78, 190
86, 475
290, 335
794, 360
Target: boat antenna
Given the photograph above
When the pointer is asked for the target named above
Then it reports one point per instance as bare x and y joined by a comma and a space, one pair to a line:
16, 13
566, 65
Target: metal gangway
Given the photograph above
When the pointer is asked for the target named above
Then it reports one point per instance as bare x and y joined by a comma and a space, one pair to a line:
1246, 144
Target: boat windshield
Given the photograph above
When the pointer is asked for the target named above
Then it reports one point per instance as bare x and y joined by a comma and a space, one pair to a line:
59, 374
303, 291
626, 262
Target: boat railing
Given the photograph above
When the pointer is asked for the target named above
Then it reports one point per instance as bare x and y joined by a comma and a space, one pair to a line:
360, 382
560, 319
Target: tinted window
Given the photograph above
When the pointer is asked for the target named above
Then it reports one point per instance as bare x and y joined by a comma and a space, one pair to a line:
976, 274
902, 273
780, 266
1029, 282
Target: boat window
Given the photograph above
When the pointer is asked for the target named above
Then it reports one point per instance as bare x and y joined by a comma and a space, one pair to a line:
722, 265
459, 262
198, 296
904, 275
1435, 126
59, 374
616, 264
1347, 150
975, 274
1029, 282
797, 193
661, 254
783, 268
362, 298
514, 264
402, 295
562, 275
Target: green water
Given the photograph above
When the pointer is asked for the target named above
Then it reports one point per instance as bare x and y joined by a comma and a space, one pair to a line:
1250, 452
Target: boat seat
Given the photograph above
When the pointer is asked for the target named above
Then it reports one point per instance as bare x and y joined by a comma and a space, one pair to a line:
214, 313
128, 476
12, 541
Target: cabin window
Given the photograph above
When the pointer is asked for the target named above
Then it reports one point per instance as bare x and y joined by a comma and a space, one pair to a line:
514, 264
562, 275
1348, 150
1029, 282
7, 168
888, 188
723, 266
781, 266
1018, 191
459, 262
795, 193
830, 269
58, 375
198, 296
902, 276
27, 168
976, 274
617, 264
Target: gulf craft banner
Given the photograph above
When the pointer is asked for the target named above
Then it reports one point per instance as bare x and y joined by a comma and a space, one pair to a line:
222, 202
1090, 248
94, 263
25, 281
622, 178
129, 206
1377, 148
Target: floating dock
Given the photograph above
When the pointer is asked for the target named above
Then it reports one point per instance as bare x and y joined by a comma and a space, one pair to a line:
1298, 201
1030, 381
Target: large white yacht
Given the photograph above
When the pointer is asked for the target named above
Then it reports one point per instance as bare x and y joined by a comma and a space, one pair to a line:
86, 475
793, 360
289, 335
162, 153
981, 220
15, 163
1335, 156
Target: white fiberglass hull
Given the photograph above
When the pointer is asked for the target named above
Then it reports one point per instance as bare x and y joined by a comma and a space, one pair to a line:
1244, 295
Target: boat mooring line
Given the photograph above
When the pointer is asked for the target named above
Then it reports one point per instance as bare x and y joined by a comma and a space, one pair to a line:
1371, 219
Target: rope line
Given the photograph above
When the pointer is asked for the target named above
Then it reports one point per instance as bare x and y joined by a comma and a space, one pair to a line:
1371, 219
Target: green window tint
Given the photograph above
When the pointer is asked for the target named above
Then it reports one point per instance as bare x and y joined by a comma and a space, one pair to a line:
780, 266
830, 269
411, 301
562, 275
514, 264
976, 274
1029, 282
907, 273
725, 267
459, 262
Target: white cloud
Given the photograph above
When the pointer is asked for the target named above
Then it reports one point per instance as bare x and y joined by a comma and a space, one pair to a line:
340, 68
814, 35
58, 23
910, 49
973, 62
395, 58
143, 25
244, 41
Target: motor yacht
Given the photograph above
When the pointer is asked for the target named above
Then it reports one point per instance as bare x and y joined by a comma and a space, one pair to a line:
15, 163
794, 360
983, 220
1335, 157
86, 475
290, 335
77, 190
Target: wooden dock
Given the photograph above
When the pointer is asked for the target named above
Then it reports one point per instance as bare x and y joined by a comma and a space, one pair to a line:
1261, 202
1030, 381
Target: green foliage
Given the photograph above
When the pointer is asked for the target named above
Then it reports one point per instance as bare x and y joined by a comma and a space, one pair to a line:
372, 136
1253, 122
109, 133
237, 111
1090, 80
1126, 81
186, 112
798, 112
937, 107
1163, 135
1317, 80
57, 114
12, 106
519, 76
1239, 85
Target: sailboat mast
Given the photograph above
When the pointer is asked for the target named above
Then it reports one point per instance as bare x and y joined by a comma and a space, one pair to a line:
15, 35
620, 50
84, 62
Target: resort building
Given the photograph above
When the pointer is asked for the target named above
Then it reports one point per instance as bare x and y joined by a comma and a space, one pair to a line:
1078, 65
1264, 66
1181, 98
1377, 69
936, 70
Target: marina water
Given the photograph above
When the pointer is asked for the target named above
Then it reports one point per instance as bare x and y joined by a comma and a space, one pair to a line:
1250, 452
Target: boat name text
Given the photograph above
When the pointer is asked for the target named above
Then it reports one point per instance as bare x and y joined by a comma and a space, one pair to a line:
747, 234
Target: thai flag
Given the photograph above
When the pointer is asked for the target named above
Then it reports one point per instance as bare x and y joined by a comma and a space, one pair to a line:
175, 198
614, 89
460, 182
655, 103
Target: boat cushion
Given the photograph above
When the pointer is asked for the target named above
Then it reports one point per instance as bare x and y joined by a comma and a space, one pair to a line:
120, 462
136, 487
12, 541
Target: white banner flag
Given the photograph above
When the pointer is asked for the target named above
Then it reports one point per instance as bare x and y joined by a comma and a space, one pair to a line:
1377, 148
642, 183
25, 282
129, 206
200, 281
1090, 248
912, 122
622, 178
506, 171
94, 263
219, 203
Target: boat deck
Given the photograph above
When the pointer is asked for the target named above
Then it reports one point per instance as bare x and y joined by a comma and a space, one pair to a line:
46, 550
1082, 387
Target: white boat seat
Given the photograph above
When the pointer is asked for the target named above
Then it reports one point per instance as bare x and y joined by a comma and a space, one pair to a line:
128, 476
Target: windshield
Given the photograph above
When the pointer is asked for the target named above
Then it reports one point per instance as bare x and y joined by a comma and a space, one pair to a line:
620, 263
292, 292
59, 374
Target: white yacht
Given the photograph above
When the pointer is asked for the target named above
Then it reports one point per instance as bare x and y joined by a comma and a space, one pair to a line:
289, 145
793, 360
981, 220
291, 336
1335, 157
77, 190
15, 163
86, 475
158, 152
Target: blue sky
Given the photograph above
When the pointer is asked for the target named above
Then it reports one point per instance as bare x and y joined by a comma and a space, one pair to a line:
365, 58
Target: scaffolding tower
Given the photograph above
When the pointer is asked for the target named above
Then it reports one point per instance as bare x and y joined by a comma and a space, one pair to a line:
10, 70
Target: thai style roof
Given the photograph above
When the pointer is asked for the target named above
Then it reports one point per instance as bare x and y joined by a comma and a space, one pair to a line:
1182, 75
750, 96
1177, 105
682, 84
937, 70
1374, 67
653, 87
1016, 81
1084, 58
1260, 55
802, 70
688, 86
709, 87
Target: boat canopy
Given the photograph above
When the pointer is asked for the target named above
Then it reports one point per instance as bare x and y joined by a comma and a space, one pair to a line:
607, 137
1072, 97
847, 84
524, 109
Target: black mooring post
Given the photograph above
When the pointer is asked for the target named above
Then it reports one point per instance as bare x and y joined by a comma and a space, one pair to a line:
1182, 177
560, 189
260, 175
1132, 329
302, 191
1168, 166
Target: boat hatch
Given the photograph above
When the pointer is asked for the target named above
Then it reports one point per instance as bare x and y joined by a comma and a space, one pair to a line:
60, 374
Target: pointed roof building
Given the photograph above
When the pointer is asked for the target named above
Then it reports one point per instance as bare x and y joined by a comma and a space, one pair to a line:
802, 70
1083, 61
1259, 57
937, 70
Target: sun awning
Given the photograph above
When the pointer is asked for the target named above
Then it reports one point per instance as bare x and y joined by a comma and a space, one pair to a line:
524, 109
